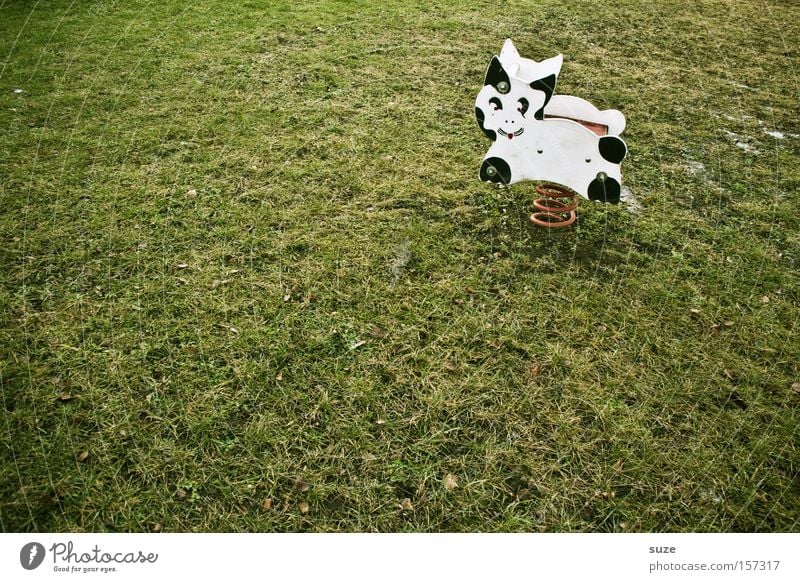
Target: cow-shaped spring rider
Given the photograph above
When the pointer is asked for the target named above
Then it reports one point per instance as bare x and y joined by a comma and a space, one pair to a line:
559, 139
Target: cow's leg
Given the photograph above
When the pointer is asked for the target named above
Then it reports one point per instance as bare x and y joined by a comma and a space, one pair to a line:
495, 170
604, 188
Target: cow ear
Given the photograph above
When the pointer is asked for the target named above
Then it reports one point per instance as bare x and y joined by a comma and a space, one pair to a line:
548, 86
497, 77
553, 64
509, 52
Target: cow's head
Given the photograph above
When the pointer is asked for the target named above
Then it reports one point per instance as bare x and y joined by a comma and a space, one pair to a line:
514, 92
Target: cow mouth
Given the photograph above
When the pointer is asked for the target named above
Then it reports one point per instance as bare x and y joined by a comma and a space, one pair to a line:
511, 135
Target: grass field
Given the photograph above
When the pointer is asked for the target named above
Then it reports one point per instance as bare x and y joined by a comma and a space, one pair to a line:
250, 281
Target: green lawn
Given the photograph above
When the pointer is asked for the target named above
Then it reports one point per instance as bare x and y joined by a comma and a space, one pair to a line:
250, 281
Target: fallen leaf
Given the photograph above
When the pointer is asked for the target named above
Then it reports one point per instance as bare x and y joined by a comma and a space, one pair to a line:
46, 498
267, 504
287, 297
450, 482
714, 330
728, 324
535, 370
191, 193
380, 422
377, 332
17, 90
765, 299
83, 456
406, 505
66, 397
301, 485
156, 527
217, 282
358, 344
181, 494
618, 465
181, 265
233, 330
279, 377
796, 386
303, 507
694, 311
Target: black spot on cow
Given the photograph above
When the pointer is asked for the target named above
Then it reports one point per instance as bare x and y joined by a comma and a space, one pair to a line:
612, 148
496, 74
495, 170
480, 116
604, 189
548, 87
523, 106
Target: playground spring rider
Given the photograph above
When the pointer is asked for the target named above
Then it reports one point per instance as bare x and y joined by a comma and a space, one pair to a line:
561, 140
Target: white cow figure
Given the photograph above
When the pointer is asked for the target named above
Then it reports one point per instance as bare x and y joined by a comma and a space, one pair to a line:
544, 138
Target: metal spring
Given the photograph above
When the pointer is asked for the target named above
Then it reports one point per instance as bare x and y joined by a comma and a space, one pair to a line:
556, 206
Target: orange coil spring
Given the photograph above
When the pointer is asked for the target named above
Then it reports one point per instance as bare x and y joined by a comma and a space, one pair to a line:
556, 206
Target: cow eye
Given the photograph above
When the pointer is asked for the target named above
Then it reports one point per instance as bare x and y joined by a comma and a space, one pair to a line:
496, 103
523, 106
